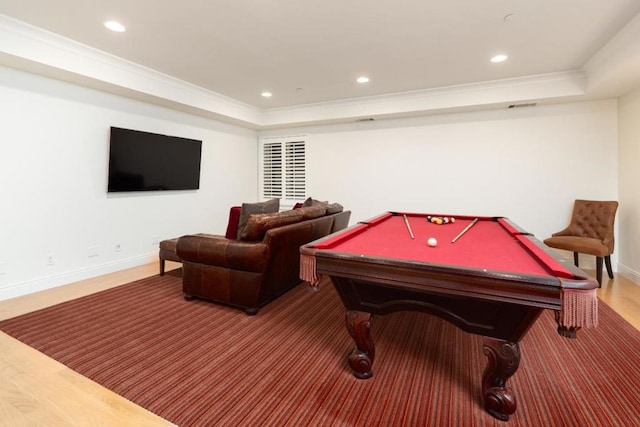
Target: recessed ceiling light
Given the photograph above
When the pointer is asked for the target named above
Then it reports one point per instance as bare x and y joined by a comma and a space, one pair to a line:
115, 26
267, 94
499, 58
363, 79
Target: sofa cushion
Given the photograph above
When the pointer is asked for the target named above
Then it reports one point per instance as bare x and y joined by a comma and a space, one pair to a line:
314, 211
270, 206
258, 224
234, 220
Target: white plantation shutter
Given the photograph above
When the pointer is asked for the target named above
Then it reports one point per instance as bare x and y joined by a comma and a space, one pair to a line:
272, 170
283, 169
294, 177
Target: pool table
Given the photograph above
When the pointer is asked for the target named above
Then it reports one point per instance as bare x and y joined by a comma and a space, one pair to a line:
494, 280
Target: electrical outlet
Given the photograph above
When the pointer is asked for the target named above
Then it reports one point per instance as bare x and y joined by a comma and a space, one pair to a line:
51, 260
155, 240
118, 247
93, 251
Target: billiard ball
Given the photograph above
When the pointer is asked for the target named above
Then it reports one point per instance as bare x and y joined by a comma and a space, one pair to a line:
432, 241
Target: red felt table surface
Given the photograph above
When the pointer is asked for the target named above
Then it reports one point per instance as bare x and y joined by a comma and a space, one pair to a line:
489, 244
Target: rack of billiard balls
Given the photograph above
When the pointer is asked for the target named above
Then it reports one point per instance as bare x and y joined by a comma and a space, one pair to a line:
439, 220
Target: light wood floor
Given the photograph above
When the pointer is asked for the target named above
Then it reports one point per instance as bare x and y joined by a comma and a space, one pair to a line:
38, 391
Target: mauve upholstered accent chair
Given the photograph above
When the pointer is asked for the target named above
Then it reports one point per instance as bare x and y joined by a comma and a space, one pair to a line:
590, 232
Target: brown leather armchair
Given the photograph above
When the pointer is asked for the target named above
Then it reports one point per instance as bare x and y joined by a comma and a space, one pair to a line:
590, 232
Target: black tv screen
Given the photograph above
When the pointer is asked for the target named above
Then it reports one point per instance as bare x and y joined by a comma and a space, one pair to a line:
143, 161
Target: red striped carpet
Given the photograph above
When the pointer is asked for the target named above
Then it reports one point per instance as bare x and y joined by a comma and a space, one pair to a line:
201, 364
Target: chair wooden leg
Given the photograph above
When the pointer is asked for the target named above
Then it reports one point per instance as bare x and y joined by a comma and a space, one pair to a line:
575, 259
162, 266
599, 270
607, 261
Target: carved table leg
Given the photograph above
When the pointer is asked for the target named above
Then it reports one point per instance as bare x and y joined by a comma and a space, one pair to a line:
361, 358
503, 360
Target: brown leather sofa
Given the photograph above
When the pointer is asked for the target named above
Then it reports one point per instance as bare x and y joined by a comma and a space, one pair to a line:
260, 266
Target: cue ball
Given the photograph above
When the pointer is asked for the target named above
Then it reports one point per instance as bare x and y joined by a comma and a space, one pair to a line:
432, 241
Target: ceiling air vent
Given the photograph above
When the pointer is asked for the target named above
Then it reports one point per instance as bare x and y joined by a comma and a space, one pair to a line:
531, 104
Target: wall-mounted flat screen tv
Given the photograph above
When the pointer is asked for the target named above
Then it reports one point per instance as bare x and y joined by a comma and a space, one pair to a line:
143, 161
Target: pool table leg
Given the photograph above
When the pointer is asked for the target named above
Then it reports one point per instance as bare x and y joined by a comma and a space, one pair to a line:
503, 360
361, 358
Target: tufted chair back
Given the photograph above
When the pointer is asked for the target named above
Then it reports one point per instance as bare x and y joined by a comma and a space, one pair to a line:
590, 232
594, 219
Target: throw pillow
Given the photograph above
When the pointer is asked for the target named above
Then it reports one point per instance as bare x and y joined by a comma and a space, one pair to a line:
270, 206
232, 225
314, 211
312, 202
334, 208
259, 224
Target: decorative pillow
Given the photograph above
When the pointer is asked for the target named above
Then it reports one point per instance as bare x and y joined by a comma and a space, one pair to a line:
232, 225
334, 208
270, 206
311, 202
258, 224
314, 211
298, 205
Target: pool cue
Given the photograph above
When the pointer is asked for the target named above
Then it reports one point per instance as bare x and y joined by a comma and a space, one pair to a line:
406, 221
465, 230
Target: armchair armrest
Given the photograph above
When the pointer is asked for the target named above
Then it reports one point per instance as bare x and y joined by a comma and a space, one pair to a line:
222, 252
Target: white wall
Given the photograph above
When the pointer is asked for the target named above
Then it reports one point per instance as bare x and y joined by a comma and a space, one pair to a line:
629, 189
54, 144
526, 164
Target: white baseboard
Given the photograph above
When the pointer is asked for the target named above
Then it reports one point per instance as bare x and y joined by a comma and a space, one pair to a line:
29, 287
629, 273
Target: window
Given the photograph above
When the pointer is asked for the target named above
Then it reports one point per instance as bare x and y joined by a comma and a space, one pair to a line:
283, 169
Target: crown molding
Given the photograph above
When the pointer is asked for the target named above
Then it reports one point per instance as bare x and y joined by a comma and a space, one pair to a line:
615, 68
41, 52
491, 94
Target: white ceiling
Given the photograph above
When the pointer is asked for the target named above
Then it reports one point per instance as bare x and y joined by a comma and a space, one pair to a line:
310, 51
